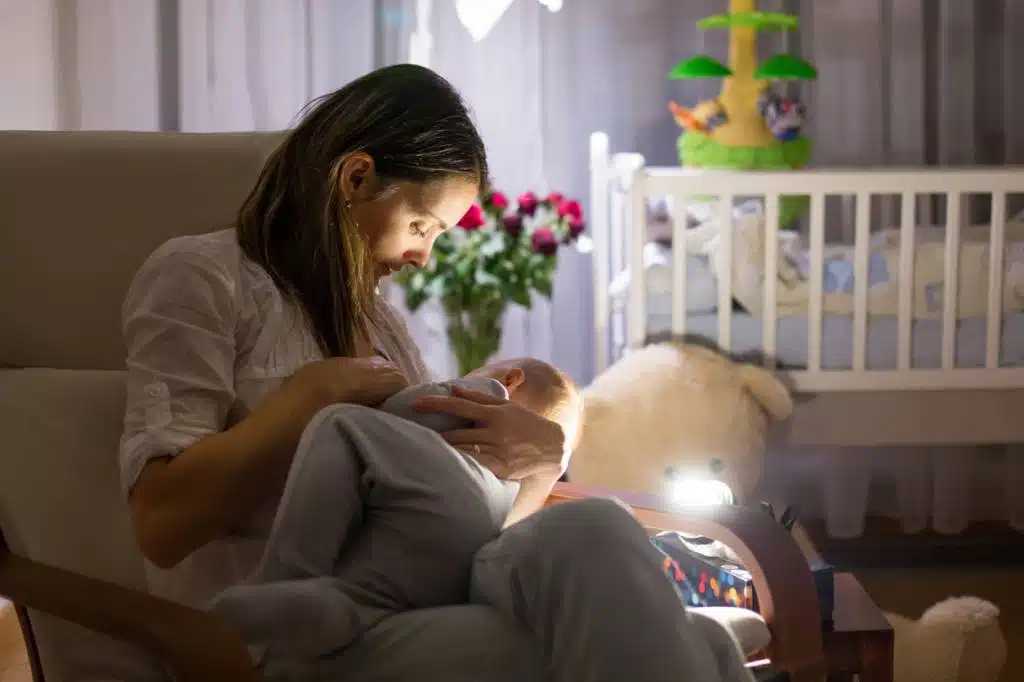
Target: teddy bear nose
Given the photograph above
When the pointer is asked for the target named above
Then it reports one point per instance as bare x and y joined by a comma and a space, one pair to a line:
670, 472
717, 466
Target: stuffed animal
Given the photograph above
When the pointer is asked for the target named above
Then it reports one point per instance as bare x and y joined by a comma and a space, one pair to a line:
672, 412
956, 640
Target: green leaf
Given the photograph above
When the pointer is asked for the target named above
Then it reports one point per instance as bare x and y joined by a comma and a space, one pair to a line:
786, 67
756, 20
698, 67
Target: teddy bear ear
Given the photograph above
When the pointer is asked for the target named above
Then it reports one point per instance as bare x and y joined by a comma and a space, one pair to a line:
768, 390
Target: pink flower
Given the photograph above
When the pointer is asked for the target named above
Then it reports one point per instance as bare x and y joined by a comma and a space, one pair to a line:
554, 198
527, 203
576, 228
513, 225
543, 241
474, 218
497, 201
570, 208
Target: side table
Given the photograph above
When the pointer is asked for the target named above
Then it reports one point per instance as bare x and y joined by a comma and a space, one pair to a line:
861, 641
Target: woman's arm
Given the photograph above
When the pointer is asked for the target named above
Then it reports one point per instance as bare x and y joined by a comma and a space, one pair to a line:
181, 503
187, 479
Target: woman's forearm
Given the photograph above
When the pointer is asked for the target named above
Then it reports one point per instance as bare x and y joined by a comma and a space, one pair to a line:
180, 504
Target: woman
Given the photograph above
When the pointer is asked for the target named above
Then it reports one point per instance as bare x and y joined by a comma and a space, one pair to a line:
236, 339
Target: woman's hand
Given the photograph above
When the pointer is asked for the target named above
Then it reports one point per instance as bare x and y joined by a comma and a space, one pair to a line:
511, 441
362, 381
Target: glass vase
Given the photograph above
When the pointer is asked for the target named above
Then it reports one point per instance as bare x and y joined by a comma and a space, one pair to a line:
474, 334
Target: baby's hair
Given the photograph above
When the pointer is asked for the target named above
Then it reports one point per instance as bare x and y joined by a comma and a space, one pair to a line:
549, 391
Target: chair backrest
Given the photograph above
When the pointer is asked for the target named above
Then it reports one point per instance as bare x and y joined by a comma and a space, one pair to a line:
79, 212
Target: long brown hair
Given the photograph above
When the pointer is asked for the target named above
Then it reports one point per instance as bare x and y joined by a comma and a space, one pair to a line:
415, 126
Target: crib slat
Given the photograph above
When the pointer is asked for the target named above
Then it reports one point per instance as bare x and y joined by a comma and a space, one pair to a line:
994, 313
905, 316
769, 302
951, 274
861, 251
638, 278
724, 257
600, 191
817, 283
679, 260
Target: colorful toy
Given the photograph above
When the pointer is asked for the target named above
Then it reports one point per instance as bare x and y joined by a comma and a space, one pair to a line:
750, 125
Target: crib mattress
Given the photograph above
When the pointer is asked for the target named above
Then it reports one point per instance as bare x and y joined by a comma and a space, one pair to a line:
837, 339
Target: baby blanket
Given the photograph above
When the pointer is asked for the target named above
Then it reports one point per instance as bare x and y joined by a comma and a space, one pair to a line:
378, 515
883, 272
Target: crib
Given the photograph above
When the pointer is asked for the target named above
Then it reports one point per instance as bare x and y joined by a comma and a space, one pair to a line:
860, 378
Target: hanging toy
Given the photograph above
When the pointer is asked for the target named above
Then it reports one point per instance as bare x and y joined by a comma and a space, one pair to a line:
701, 122
685, 118
716, 116
784, 116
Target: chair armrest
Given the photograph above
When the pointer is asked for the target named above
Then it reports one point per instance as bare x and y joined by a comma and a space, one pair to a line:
786, 595
195, 645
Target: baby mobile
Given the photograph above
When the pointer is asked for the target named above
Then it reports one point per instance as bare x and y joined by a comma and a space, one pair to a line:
755, 122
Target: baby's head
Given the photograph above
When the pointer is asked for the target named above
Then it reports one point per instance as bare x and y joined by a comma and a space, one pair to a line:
541, 388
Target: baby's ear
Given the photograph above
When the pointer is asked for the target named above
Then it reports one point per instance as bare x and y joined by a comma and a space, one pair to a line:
512, 378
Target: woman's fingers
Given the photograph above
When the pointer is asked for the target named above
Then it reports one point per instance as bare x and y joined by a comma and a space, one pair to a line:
478, 396
470, 437
452, 406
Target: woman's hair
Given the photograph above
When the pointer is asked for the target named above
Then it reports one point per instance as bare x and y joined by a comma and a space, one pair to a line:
294, 224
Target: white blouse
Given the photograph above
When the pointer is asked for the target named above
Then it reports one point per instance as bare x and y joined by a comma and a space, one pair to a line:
208, 335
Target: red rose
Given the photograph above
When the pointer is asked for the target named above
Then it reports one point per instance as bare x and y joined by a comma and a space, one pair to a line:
497, 201
474, 218
576, 228
513, 225
543, 241
527, 203
554, 198
570, 208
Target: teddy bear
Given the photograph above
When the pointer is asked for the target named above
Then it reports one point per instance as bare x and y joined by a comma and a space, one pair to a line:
956, 640
673, 411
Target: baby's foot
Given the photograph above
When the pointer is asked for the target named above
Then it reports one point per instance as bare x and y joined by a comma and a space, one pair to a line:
307, 617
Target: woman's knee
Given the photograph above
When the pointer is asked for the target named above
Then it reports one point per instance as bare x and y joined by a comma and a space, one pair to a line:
591, 524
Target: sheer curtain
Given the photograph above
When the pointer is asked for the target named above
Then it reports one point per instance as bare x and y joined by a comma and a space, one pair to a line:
902, 82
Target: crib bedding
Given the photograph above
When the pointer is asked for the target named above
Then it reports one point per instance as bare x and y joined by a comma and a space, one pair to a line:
839, 294
837, 338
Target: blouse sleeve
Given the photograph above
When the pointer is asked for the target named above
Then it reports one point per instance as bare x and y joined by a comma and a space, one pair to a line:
178, 323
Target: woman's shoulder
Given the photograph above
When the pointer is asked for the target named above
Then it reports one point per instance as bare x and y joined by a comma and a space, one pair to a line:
212, 250
183, 268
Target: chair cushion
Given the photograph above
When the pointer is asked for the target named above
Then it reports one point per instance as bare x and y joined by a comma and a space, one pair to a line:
747, 626
61, 504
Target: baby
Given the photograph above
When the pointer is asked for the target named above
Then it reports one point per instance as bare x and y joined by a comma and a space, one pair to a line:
380, 515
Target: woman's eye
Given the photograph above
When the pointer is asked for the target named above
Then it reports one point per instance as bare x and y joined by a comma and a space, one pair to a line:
418, 229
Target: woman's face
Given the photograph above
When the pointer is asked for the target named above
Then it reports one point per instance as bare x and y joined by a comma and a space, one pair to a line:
401, 224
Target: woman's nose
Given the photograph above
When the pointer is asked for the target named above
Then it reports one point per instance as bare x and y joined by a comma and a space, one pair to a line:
417, 259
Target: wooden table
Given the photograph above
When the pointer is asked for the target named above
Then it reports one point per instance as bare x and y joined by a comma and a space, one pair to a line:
861, 641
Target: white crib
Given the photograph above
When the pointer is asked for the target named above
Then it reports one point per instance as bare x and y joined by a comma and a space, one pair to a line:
970, 394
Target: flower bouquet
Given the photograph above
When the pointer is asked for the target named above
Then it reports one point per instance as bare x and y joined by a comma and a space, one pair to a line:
497, 255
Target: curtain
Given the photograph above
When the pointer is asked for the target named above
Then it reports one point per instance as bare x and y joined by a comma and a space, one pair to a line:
909, 82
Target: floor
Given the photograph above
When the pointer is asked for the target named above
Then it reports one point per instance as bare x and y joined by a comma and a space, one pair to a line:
909, 591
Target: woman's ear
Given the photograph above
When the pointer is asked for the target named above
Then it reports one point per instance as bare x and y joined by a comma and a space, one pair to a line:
356, 177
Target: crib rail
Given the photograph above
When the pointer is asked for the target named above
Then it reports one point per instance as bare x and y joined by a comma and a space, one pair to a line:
622, 184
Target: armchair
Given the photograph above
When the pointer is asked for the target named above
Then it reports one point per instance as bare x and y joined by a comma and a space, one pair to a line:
80, 211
